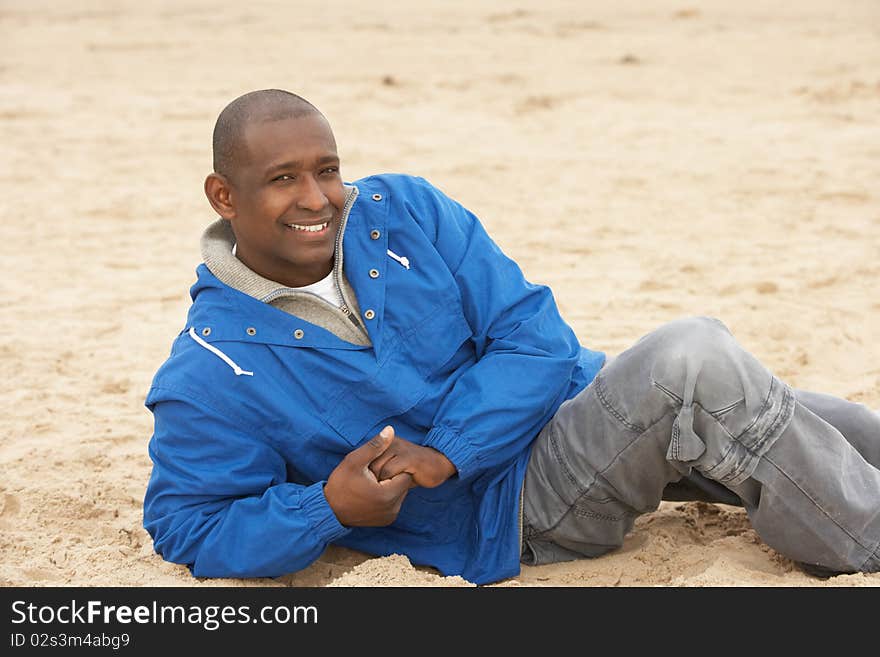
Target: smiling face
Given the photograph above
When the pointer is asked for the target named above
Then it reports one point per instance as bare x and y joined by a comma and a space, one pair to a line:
284, 199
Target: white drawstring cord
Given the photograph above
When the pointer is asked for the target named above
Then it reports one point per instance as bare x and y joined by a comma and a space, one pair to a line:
235, 368
401, 259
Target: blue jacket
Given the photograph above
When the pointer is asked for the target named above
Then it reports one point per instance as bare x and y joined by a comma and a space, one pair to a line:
467, 357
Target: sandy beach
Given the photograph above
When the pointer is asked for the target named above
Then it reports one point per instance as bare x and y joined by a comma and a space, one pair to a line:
647, 161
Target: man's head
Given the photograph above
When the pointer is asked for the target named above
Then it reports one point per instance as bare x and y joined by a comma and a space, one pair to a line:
276, 179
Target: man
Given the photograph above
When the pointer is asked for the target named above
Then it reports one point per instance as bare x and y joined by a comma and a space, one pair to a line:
362, 365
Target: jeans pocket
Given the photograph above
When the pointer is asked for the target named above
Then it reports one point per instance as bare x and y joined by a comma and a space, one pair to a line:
602, 509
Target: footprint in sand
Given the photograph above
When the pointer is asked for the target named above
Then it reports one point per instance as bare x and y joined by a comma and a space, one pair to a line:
9, 505
116, 387
629, 60
566, 30
822, 282
9, 508
507, 16
767, 287
689, 12
538, 103
653, 285
708, 522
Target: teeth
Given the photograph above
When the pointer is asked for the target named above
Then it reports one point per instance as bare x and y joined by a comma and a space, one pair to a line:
309, 229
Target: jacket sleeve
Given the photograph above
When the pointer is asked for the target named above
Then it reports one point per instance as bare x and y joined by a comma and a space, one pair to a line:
218, 499
526, 352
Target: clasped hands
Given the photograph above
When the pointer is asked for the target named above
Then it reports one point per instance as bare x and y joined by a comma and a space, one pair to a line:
368, 487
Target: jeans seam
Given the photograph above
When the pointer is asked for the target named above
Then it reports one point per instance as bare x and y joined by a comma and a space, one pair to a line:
558, 455
614, 412
752, 450
730, 446
583, 513
721, 412
718, 414
612, 462
788, 402
581, 491
667, 391
674, 440
757, 416
854, 539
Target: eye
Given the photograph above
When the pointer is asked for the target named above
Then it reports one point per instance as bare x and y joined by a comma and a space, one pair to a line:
284, 177
330, 171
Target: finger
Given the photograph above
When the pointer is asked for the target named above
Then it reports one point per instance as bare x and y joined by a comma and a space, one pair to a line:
375, 446
380, 462
391, 467
398, 485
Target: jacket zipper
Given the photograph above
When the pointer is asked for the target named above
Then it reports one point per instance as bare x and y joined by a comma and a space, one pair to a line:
336, 268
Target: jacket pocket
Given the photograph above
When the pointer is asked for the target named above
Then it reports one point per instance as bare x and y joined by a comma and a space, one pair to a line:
401, 381
433, 518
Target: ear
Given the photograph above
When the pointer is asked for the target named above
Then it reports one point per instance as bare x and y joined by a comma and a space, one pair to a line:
219, 192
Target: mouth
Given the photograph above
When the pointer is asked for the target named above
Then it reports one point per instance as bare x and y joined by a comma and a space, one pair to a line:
313, 229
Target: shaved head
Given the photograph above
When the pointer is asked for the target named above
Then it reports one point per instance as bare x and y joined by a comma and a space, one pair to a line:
256, 106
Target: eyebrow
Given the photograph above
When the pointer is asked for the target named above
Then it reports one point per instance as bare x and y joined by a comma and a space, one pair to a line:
296, 164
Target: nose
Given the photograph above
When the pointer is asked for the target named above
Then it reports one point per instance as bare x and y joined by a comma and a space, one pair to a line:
311, 195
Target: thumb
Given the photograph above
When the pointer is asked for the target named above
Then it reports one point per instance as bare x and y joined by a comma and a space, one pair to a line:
375, 446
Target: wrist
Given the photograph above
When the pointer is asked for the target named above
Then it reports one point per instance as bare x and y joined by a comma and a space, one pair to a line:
443, 464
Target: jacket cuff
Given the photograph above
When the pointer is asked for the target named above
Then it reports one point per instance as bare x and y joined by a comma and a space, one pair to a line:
456, 448
320, 514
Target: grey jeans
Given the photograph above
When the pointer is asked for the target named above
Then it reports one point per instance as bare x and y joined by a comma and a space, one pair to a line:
687, 413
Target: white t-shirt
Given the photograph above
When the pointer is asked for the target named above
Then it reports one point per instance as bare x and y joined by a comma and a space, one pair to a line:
325, 288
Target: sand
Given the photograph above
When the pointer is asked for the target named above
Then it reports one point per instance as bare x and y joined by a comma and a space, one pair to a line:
646, 160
